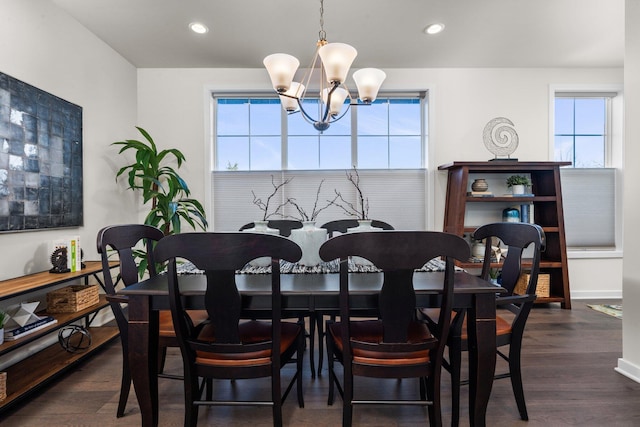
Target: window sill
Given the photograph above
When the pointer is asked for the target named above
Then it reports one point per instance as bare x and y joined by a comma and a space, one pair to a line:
577, 253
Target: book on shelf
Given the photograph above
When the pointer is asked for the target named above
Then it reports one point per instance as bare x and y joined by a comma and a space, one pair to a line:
29, 328
525, 213
518, 195
480, 193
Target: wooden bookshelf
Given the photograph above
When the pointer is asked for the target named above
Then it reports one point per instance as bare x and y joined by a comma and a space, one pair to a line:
547, 208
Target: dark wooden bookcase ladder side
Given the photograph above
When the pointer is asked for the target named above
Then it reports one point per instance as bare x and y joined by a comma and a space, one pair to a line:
547, 212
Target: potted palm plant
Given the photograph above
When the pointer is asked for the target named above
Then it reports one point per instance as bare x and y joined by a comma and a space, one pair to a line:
161, 186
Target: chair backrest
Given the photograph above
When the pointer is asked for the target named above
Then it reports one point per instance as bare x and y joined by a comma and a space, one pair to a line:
342, 225
284, 225
219, 255
398, 254
124, 239
517, 236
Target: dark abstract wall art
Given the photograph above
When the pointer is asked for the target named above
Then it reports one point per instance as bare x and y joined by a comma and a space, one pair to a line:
40, 159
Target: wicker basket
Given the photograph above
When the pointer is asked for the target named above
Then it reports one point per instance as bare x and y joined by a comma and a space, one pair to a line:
3, 386
542, 288
72, 298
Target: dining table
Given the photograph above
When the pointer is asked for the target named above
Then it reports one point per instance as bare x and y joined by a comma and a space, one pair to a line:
312, 292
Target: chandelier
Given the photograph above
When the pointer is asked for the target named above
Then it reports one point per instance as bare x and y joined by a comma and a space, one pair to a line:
335, 61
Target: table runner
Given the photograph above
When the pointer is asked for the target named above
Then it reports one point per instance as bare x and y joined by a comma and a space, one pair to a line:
287, 267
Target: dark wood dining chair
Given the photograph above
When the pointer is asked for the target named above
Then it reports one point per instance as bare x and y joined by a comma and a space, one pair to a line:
124, 239
229, 347
517, 237
335, 227
342, 225
395, 344
283, 225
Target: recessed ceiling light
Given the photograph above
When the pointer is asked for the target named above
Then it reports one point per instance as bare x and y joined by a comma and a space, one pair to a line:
199, 28
434, 28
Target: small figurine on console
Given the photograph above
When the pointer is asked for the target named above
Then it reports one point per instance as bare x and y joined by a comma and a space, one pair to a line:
59, 261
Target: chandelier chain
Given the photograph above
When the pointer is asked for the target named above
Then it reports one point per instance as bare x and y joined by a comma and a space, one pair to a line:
322, 34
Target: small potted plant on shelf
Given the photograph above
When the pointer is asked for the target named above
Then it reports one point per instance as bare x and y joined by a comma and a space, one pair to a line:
517, 183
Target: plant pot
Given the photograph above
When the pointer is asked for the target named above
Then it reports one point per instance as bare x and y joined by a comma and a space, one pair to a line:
309, 238
517, 189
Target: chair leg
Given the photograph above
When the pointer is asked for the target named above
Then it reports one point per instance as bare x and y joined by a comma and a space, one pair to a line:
312, 341
191, 393
276, 398
330, 363
347, 398
162, 357
433, 392
299, 360
515, 373
455, 359
209, 389
319, 323
125, 387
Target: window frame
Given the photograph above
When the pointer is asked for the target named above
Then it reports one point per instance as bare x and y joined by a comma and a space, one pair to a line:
613, 154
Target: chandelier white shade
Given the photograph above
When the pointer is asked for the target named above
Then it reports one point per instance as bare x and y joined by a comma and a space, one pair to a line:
289, 99
334, 61
368, 82
281, 67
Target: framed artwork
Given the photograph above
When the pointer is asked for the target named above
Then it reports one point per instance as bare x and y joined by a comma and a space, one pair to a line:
40, 159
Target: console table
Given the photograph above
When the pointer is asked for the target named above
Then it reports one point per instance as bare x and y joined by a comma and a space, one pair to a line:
40, 368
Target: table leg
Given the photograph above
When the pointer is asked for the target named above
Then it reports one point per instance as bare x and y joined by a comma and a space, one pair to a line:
482, 355
143, 356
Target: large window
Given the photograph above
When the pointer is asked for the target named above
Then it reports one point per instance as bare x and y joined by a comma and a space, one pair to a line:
254, 133
255, 143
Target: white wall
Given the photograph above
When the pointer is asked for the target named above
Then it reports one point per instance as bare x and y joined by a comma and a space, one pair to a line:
173, 105
629, 364
43, 46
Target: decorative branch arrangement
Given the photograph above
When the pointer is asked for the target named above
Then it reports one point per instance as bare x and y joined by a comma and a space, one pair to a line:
303, 215
264, 206
361, 208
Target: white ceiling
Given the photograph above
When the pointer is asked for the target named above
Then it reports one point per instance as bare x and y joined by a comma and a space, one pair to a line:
387, 33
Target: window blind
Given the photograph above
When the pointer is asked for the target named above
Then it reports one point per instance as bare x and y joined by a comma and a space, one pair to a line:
589, 201
397, 197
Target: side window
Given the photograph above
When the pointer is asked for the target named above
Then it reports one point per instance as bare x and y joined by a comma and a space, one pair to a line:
581, 133
584, 133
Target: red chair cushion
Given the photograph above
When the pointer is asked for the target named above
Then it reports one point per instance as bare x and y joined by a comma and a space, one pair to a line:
166, 322
370, 331
251, 332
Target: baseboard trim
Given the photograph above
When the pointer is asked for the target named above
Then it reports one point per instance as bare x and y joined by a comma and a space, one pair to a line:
596, 294
628, 369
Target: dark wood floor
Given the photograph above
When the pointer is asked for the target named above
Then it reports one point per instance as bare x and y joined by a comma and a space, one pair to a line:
569, 377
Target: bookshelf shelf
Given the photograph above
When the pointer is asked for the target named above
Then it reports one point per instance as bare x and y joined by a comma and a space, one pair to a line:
38, 369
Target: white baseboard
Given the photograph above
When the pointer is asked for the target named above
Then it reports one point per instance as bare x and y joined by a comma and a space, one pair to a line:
604, 294
628, 369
